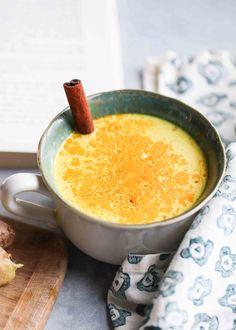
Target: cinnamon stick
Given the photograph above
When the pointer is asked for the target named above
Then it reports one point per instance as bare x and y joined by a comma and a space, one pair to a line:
79, 106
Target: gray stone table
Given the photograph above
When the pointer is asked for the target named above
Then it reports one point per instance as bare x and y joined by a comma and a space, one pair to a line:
148, 27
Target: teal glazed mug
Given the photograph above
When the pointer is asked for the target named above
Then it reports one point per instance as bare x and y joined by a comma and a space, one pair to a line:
105, 241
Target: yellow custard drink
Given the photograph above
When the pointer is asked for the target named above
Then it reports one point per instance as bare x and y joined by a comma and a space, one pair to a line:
133, 169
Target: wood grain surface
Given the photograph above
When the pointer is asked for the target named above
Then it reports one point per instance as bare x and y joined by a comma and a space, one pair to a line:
27, 302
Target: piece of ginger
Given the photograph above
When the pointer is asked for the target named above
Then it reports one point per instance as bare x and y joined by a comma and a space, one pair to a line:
7, 235
7, 268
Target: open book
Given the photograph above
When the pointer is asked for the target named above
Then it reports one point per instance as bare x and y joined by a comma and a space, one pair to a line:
42, 45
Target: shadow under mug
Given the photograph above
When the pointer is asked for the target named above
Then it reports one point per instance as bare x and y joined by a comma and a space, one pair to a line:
110, 242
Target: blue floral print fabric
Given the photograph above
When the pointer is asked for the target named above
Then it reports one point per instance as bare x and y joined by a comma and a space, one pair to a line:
195, 287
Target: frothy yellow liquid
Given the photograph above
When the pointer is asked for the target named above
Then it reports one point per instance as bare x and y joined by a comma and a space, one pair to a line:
133, 169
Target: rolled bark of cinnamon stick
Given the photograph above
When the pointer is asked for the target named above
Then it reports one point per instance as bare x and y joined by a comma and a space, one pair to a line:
79, 106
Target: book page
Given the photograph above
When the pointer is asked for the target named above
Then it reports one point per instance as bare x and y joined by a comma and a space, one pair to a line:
44, 44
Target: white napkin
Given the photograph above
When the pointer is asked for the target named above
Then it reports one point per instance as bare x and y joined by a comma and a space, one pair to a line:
195, 288
206, 81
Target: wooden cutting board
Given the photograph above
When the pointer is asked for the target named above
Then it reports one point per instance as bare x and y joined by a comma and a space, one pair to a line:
28, 300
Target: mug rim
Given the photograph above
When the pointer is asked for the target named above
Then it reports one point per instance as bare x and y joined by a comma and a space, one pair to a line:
100, 221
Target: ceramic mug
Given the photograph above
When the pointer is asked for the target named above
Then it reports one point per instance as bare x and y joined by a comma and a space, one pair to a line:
105, 241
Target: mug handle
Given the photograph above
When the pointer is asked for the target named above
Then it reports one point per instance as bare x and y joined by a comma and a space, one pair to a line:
22, 182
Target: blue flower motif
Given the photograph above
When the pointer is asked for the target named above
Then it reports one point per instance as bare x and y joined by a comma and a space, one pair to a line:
212, 71
201, 288
203, 321
226, 263
148, 313
133, 259
212, 99
191, 59
151, 280
229, 299
227, 188
169, 282
218, 117
118, 315
177, 62
233, 59
234, 325
227, 219
232, 104
198, 250
181, 86
230, 155
174, 318
120, 284
198, 219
